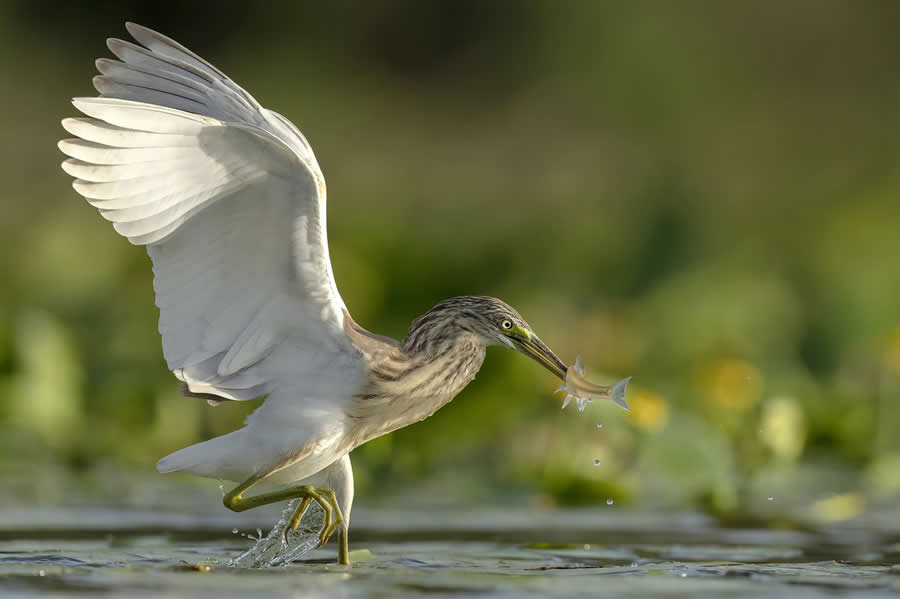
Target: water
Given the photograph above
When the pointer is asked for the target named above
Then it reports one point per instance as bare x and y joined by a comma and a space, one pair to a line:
274, 549
486, 553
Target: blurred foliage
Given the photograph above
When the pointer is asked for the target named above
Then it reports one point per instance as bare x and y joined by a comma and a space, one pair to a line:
703, 195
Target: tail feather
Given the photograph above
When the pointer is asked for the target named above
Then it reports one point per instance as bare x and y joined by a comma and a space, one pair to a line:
217, 458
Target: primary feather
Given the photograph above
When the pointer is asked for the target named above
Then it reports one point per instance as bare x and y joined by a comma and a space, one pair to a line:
229, 201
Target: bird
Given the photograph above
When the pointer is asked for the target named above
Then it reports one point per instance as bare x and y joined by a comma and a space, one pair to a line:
230, 203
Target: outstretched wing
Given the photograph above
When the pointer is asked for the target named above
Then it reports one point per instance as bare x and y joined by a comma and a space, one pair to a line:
230, 203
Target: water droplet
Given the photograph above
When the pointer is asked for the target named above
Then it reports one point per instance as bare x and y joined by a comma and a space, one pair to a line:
234, 531
609, 502
771, 499
596, 462
684, 574
599, 426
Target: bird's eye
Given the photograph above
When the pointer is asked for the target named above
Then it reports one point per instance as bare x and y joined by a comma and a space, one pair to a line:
506, 324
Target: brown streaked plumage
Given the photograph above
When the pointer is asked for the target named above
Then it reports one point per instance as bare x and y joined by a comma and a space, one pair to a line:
440, 355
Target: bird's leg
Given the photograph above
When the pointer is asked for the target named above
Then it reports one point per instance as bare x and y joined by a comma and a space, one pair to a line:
235, 501
335, 521
343, 546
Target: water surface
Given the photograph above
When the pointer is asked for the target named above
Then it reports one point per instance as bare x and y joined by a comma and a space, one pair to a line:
508, 553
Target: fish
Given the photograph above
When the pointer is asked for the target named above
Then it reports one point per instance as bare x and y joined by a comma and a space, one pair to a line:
584, 391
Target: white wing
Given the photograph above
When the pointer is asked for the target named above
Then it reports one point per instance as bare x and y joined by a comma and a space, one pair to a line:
230, 202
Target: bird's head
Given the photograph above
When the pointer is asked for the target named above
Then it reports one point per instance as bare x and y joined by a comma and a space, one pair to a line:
492, 321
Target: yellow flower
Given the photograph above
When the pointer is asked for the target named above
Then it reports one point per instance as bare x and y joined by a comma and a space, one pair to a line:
783, 427
839, 507
649, 411
892, 352
735, 384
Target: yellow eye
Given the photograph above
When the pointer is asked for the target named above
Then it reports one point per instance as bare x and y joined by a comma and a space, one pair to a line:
506, 324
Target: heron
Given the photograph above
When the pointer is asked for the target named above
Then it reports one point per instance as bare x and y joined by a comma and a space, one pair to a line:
229, 201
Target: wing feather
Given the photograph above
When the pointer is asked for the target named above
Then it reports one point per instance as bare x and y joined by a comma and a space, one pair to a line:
229, 201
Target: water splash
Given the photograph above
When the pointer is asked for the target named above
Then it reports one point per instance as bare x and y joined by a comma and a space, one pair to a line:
272, 550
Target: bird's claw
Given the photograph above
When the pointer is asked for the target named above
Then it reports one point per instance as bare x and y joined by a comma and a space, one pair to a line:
333, 518
332, 513
295, 519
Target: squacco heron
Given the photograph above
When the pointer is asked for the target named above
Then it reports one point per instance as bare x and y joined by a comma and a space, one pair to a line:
229, 201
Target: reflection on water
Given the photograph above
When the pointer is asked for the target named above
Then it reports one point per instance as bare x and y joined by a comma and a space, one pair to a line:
497, 554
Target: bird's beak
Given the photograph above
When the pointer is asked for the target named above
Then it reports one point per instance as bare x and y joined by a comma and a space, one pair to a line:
535, 349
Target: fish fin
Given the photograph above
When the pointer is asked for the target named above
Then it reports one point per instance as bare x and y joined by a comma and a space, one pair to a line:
560, 388
617, 393
566, 401
579, 366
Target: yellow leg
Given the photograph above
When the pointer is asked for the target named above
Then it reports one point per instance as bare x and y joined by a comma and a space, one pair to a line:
295, 519
343, 549
336, 520
235, 501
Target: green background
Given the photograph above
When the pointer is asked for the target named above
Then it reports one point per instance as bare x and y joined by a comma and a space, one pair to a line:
703, 195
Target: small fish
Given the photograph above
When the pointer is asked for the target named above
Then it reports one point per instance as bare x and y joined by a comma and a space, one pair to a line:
583, 391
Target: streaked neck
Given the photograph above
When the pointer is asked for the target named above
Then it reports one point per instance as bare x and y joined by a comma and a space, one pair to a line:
406, 387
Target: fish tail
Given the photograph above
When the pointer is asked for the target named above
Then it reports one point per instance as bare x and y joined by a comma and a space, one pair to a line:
617, 393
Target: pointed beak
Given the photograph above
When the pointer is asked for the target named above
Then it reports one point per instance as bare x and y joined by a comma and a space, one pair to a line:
535, 349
